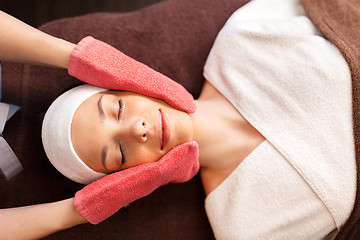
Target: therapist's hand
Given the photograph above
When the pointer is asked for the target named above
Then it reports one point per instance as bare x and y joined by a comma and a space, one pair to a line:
102, 65
104, 197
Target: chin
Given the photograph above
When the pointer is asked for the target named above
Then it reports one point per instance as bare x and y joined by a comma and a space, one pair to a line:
181, 127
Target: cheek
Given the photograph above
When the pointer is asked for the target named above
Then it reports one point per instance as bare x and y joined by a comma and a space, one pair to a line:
142, 154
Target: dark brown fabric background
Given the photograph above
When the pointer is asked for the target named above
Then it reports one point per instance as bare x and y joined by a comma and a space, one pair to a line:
173, 37
38, 12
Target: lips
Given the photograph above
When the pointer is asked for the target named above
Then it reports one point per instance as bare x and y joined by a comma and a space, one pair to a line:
163, 130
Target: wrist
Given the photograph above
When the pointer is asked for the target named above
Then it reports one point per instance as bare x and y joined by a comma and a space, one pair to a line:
71, 216
61, 52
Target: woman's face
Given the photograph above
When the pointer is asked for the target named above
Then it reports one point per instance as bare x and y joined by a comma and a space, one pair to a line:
115, 130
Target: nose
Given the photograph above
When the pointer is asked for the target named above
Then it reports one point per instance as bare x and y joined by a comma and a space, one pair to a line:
136, 129
140, 130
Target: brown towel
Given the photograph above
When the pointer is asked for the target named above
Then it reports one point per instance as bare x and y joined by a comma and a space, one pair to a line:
339, 21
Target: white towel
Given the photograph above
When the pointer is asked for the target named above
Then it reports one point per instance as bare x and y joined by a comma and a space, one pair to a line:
261, 196
294, 87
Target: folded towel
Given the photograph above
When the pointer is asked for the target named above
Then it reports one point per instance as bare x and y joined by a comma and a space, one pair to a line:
104, 197
100, 64
338, 20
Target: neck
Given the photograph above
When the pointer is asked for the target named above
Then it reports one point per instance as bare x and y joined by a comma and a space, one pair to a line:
210, 134
221, 131
204, 132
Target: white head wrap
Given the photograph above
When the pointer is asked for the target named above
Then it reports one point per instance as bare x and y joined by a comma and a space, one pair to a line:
56, 135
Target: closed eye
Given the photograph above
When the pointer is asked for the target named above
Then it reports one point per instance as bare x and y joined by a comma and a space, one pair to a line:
121, 105
122, 155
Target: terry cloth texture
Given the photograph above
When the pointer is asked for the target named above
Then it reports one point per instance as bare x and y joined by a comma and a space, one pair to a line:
174, 37
339, 21
294, 87
274, 203
56, 135
100, 64
102, 198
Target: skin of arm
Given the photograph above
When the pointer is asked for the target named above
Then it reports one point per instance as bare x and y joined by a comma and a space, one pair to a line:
37, 221
22, 43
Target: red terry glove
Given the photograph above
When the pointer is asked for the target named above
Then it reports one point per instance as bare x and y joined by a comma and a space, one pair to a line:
100, 64
104, 197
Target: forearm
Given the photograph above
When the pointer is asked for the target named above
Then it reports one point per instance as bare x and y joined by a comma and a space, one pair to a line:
37, 221
20, 42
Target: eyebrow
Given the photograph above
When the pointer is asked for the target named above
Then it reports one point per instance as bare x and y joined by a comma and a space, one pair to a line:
103, 156
100, 108
102, 117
